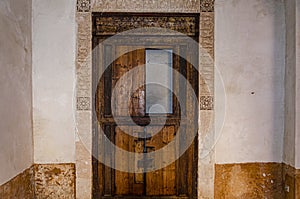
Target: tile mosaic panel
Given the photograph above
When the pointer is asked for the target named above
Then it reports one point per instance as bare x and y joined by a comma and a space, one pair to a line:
83, 5
207, 5
83, 103
206, 102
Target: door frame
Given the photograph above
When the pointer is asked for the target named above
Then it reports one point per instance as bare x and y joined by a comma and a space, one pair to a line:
84, 97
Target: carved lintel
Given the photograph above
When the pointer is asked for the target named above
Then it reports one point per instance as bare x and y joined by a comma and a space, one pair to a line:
113, 24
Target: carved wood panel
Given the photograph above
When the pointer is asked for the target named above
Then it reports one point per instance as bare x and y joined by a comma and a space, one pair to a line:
105, 23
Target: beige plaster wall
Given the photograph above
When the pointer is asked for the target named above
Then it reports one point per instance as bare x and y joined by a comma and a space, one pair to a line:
298, 84
15, 86
290, 86
291, 155
54, 47
250, 54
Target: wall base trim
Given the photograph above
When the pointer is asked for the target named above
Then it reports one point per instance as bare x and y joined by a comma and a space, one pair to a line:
42, 181
55, 180
21, 186
248, 180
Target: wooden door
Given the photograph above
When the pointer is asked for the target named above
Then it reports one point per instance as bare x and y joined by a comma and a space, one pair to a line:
179, 178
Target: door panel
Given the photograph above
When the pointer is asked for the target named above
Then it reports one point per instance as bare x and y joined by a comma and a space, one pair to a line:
122, 65
161, 182
128, 183
158, 183
177, 180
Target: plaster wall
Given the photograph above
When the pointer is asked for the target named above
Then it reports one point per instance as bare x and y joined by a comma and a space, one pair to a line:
15, 85
290, 84
53, 49
297, 84
250, 54
291, 155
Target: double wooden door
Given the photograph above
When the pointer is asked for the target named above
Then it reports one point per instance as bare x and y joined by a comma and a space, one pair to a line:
145, 121
177, 179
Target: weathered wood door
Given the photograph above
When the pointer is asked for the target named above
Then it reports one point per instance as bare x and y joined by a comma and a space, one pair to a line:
114, 115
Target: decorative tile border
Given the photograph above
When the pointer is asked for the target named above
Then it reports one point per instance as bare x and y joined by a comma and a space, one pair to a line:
207, 5
206, 102
207, 31
83, 103
206, 63
183, 6
83, 5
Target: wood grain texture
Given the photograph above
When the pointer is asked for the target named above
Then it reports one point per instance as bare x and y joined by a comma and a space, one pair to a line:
174, 180
161, 182
179, 179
